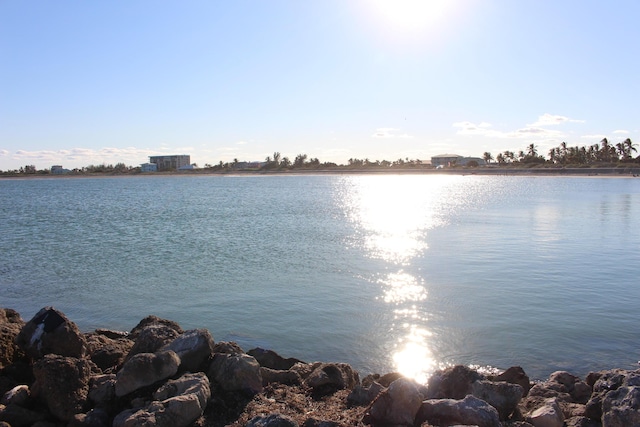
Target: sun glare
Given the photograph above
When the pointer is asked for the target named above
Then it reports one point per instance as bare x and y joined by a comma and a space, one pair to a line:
412, 16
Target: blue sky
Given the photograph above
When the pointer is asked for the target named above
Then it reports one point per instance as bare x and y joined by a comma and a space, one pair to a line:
91, 82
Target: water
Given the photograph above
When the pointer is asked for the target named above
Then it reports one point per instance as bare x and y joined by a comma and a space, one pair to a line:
406, 272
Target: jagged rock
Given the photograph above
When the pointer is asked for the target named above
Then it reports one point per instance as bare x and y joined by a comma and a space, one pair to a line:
271, 359
107, 352
197, 384
236, 372
102, 389
468, 411
501, 395
581, 422
452, 383
10, 325
621, 407
194, 347
151, 339
17, 416
145, 369
18, 395
282, 377
50, 332
153, 320
179, 411
606, 382
361, 395
548, 415
97, 417
227, 347
515, 375
574, 386
63, 384
397, 405
327, 378
273, 420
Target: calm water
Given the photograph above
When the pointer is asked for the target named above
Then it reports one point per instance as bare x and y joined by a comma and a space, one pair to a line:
383, 272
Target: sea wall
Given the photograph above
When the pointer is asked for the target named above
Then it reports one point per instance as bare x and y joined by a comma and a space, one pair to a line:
157, 374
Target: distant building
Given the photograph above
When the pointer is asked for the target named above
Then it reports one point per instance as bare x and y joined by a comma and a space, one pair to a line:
174, 162
447, 160
148, 167
59, 170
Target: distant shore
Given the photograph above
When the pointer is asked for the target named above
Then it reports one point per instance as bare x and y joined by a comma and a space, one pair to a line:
616, 172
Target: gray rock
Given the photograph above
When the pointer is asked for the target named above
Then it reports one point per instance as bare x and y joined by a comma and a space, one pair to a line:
145, 369
515, 375
574, 386
501, 395
50, 332
197, 384
154, 320
399, 404
106, 352
361, 395
151, 339
272, 420
19, 395
179, 411
10, 325
548, 415
468, 411
271, 359
236, 372
281, 377
17, 416
102, 389
194, 348
327, 378
621, 407
97, 417
452, 383
63, 384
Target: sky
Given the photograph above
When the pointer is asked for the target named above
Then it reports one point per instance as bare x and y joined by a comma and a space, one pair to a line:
92, 82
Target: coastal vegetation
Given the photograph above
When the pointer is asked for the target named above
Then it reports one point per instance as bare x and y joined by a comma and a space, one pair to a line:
599, 155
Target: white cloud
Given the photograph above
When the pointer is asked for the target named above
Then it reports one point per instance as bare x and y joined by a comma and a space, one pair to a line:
621, 131
598, 137
389, 133
241, 143
551, 120
4, 153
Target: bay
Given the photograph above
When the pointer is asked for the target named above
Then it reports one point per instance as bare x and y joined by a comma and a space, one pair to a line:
386, 272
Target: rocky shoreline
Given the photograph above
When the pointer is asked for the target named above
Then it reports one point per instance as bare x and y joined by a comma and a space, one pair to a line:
157, 374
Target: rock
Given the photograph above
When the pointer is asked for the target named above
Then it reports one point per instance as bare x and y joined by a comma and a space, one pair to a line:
361, 395
576, 388
236, 372
227, 347
273, 420
621, 407
468, 411
515, 375
549, 415
312, 422
151, 321
18, 395
271, 359
581, 422
451, 383
106, 352
10, 325
145, 369
197, 384
17, 416
282, 377
50, 332
102, 389
151, 339
63, 384
179, 411
194, 348
327, 378
397, 405
606, 382
97, 417
501, 395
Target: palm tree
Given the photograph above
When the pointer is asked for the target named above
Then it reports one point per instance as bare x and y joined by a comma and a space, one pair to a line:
630, 147
487, 157
531, 150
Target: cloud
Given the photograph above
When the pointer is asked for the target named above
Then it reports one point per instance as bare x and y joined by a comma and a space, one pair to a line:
4, 153
551, 120
621, 131
241, 143
389, 133
598, 137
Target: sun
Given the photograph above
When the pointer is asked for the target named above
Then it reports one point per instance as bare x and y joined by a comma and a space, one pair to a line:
412, 16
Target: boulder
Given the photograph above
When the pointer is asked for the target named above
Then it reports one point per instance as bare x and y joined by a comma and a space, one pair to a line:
194, 348
272, 420
18, 395
236, 372
151, 321
106, 352
574, 386
179, 411
548, 415
281, 377
145, 369
102, 389
151, 339
515, 375
621, 407
451, 383
605, 382
96, 417
501, 395
10, 325
17, 416
397, 405
361, 395
271, 359
62, 383
196, 384
229, 347
50, 332
327, 378
468, 411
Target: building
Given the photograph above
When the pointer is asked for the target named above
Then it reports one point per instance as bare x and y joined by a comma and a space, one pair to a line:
447, 160
174, 162
148, 167
58, 170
